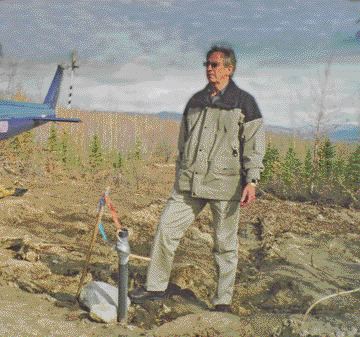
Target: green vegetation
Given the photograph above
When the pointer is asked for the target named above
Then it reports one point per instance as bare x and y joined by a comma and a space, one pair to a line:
137, 153
271, 161
333, 178
308, 170
52, 143
118, 163
291, 173
95, 153
290, 168
352, 168
327, 156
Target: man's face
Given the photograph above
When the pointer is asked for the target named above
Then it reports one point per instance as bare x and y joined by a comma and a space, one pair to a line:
216, 72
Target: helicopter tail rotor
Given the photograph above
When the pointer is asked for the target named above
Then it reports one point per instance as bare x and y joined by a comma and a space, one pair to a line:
74, 65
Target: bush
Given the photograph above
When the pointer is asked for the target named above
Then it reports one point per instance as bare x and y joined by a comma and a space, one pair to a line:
332, 180
95, 153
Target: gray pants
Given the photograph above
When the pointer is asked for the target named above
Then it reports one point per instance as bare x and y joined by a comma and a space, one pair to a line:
180, 211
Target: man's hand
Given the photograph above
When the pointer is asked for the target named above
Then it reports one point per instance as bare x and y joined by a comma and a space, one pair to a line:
248, 195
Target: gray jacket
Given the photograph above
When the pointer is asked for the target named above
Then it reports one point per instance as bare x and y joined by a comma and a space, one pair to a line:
221, 145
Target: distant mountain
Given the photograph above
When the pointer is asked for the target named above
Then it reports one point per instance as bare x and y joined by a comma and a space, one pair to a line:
349, 133
169, 115
278, 129
338, 133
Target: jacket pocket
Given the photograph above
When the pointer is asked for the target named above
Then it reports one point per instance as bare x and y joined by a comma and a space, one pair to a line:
226, 166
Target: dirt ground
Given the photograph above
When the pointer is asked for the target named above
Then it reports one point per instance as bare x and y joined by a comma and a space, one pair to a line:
290, 255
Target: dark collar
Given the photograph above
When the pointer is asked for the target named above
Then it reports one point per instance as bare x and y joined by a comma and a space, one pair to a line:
228, 100
220, 93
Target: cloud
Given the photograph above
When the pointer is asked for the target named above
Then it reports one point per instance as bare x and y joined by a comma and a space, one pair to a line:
146, 55
166, 3
132, 72
100, 29
284, 93
169, 93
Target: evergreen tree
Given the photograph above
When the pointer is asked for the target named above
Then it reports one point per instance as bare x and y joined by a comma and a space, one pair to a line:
309, 171
353, 170
64, 148
291, 167
308, 166
327, 156
95, 156
119, 161
138, 149
271, 157
339, 168
52, 143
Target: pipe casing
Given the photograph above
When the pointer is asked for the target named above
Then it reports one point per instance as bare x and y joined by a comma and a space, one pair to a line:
123, 250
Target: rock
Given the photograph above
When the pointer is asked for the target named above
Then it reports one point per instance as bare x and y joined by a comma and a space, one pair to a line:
103, 313
96, 292
166, 309
30, 256
82, 227
241, 311
102, 300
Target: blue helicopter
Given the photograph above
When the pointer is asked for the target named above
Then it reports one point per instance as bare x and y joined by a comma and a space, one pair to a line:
17, 117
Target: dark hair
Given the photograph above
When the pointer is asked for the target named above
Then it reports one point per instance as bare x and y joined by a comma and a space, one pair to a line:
229, 55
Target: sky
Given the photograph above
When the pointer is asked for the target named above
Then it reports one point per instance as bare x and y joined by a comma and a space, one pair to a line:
146, 55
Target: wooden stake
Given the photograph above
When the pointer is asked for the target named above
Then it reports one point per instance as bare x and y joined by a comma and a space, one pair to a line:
91, 246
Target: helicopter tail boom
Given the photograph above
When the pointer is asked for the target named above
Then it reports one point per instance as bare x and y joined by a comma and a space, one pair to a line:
57, 119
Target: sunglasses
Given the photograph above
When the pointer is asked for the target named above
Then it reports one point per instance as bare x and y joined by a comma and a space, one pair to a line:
212, 64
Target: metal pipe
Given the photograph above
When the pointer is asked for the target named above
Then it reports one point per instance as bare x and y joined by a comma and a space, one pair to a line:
123, 250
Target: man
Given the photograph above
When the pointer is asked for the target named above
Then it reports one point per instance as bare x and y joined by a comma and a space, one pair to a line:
220, 151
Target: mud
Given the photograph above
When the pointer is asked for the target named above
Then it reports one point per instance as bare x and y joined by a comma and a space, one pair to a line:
290, 255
